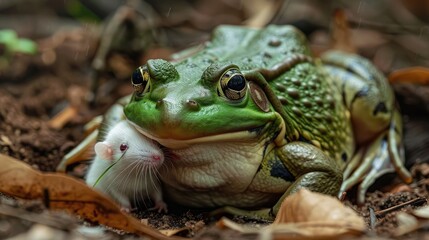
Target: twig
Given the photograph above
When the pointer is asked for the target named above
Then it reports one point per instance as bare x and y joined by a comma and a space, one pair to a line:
415, 202
63, 117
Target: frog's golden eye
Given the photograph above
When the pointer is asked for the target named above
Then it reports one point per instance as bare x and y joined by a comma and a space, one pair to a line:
141, 80
233, 84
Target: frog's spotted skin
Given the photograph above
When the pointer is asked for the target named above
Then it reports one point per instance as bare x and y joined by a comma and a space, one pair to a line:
314, 111
252, 118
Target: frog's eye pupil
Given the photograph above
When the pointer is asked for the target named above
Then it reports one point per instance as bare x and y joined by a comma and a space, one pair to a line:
140, 80
137, 77
233, 85
123, 147
237, 83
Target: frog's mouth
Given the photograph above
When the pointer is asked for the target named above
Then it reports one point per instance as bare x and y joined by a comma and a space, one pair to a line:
225, 137
244, 135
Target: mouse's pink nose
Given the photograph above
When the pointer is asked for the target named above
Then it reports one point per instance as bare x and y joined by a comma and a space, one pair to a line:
156, 157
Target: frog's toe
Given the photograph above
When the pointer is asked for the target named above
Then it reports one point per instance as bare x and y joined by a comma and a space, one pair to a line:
396, 151
381, 165
364, 159
375, 162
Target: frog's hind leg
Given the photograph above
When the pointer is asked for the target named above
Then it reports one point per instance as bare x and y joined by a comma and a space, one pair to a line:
374, 163
383, 155
376, 122
390, 157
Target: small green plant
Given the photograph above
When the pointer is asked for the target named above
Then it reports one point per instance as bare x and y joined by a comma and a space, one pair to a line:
10, 44
13, 44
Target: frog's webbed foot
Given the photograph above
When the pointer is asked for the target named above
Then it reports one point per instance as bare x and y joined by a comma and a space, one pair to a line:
262, 214
383, 155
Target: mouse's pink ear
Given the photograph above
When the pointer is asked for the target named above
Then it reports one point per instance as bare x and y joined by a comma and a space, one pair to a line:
103, 150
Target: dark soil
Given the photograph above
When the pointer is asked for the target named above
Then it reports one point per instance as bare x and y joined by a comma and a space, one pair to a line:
37, 89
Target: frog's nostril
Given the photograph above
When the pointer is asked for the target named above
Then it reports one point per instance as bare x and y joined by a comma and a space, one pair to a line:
159, 103
192, 104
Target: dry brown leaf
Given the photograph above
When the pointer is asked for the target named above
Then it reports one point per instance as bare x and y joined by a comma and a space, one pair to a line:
422, 213
314, 214
416, 75
4, 140
60, 191
410, 222
341, 33
306, 215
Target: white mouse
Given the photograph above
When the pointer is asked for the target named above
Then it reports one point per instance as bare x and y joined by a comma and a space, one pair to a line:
133, 177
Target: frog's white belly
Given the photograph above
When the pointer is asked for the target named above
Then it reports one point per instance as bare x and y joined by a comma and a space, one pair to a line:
215, 174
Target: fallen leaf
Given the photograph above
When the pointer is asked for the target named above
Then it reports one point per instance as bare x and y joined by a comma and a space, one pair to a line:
306, 215
417, 75
422, 213
314, 214
5, 140
62, 192
341, 33
410, 222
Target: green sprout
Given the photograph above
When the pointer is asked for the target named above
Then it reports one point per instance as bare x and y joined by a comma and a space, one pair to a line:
11, 44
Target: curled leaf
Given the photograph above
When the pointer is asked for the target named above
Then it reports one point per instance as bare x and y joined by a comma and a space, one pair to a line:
60, 191
305, 215
313, 214
410, 222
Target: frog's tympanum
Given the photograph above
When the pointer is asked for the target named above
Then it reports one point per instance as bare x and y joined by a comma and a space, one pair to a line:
253, 117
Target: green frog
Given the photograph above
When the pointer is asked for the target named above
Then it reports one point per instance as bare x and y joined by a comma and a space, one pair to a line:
252, 117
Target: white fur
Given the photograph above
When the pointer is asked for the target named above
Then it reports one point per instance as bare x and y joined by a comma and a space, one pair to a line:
134, 176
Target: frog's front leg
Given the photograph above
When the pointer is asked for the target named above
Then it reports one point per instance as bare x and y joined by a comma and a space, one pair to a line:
312, 169
307, 166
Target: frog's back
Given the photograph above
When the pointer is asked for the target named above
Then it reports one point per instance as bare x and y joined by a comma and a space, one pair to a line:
311, 100
248, 48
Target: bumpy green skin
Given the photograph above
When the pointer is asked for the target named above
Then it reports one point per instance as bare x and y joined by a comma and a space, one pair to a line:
303, 140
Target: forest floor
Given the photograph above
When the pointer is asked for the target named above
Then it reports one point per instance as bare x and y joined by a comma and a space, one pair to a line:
34, 89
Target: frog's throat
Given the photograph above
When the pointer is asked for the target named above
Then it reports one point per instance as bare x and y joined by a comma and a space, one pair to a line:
225, 137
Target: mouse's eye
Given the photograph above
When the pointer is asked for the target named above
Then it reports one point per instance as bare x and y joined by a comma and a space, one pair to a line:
123, 147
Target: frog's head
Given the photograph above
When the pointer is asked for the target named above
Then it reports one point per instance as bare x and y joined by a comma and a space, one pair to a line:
185, 104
